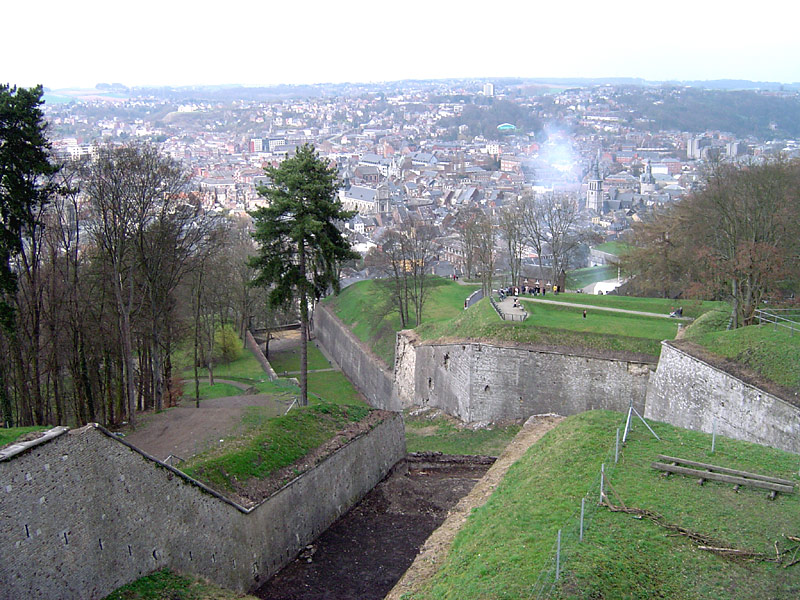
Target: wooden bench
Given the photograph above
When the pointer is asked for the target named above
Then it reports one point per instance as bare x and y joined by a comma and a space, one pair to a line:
703, 471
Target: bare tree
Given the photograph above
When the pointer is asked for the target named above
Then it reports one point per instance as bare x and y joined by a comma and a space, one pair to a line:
511, 228
486, 251
549, 223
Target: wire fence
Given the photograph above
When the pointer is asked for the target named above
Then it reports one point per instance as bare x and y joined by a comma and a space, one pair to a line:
576, 527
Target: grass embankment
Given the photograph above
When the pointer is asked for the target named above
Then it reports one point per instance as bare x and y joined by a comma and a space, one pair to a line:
446, 435
12, 434
270, 443
558, 326
165, 584
772, 352
509, 544
366, 308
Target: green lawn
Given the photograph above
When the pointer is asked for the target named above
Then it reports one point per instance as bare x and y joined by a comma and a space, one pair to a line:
579, 278
166, 585
771, 352
615, 248
440, 434
269, 443
663, 306
333, 386
507, 547
9, 435
558, 326
289, 360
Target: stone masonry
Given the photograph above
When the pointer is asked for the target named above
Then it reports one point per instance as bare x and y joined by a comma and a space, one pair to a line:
84, 513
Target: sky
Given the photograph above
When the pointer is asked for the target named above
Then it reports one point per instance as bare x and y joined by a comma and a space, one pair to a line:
177, 43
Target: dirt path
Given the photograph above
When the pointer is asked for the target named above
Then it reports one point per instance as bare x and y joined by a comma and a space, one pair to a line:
434, 551
185, 430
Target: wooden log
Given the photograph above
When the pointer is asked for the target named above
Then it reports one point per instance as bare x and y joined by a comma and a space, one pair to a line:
777, 487
691, 463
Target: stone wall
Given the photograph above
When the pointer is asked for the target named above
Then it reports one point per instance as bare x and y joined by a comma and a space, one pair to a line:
480, 383
84, 512
360, 366
688, 392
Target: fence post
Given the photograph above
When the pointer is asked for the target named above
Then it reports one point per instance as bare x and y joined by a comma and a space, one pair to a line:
558, 555
602, 481
616, 449
713, 434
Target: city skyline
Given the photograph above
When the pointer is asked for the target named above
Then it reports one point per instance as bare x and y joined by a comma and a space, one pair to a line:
179, 44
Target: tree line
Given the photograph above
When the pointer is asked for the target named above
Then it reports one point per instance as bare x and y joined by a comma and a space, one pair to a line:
737, 238
107, 265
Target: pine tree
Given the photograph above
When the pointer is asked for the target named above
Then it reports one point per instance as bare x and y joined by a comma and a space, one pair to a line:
26, 183
300, 244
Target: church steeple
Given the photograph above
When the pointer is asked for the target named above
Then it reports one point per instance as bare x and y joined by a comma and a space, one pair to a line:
594, 195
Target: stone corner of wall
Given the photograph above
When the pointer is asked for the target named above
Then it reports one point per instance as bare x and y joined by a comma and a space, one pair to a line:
13, 450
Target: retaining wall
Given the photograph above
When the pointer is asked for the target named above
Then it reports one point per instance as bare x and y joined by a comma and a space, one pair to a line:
479, 382
84, 512
688, 392
360, 366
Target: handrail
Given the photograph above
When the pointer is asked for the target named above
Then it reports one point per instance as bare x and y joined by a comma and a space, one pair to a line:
771, 316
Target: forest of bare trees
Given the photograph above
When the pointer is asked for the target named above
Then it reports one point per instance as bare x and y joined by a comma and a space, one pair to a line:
120, 268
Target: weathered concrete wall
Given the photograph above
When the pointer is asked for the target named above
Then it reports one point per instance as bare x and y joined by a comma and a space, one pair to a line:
360, 366
688, 392
479, 382
252, 345
84, 513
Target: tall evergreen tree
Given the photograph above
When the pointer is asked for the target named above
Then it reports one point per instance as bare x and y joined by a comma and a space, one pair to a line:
300, 244
26, 183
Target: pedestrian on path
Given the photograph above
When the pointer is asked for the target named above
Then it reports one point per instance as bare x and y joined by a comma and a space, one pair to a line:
584, 314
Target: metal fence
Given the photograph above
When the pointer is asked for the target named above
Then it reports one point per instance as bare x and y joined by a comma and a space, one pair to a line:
788, 318
506, 316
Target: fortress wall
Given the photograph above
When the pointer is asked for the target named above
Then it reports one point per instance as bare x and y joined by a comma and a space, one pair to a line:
479, 382
360, 366
688, 392
84, 513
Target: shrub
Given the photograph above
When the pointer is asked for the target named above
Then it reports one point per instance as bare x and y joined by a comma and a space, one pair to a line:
228, 346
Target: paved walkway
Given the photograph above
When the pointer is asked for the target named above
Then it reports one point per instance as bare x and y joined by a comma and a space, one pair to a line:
507, 306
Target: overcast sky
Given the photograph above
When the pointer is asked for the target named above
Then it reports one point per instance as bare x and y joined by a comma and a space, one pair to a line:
175, 42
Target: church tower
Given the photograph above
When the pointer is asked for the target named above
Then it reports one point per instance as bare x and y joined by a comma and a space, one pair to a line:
594, 195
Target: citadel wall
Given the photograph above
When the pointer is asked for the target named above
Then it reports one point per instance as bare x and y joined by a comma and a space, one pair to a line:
85, 512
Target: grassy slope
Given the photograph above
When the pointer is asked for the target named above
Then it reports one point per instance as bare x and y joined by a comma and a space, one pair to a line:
772, 352
165, 584
11, 434
510, 541
269, 444
365, 309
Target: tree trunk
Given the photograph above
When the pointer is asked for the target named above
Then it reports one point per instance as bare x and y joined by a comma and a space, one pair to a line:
303, 328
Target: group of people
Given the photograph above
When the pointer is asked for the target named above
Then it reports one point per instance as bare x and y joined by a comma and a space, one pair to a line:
676, 312
533, 290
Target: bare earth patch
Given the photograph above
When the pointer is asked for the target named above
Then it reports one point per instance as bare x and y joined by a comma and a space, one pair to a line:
434, 551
